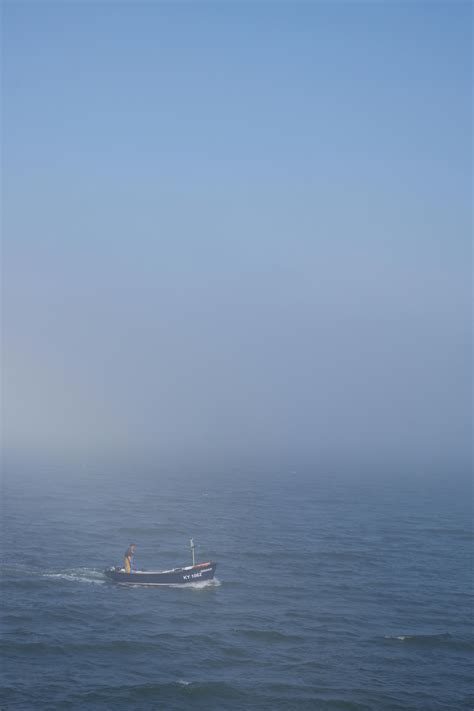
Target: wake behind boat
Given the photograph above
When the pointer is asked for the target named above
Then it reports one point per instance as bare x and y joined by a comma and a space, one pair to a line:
195, 573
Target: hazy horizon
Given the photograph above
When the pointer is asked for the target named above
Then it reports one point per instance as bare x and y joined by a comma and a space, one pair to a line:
237, 233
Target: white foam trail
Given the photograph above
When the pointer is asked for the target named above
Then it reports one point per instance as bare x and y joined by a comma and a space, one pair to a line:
78, 575
401, 637
214, 583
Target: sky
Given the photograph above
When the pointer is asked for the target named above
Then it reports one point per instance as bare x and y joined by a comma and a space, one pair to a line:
237, 233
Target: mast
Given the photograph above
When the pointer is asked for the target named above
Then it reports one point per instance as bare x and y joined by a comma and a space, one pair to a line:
191, 543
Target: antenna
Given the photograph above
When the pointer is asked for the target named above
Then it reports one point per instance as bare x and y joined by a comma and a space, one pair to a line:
191, 543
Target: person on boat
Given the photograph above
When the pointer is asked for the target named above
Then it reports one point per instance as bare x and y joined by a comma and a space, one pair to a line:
128, 558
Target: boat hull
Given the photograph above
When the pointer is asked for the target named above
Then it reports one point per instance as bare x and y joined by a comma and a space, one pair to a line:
178, 576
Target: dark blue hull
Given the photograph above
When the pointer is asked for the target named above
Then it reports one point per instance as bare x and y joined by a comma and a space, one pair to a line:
178, 576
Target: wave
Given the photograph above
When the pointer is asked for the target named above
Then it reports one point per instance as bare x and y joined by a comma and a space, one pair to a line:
433, 640
200, 691
311, 697
14, 618
157, 528
115, 646
341, 705
345, 555
462, 533
269, 635
30, 583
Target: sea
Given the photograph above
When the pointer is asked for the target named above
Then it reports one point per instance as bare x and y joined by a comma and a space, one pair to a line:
332, 592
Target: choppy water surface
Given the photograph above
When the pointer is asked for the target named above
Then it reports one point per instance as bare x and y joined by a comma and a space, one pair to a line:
329, 595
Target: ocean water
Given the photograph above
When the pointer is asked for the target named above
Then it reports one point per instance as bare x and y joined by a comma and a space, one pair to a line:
331, 593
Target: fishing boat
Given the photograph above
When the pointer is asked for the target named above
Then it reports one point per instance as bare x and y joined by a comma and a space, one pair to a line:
195, 573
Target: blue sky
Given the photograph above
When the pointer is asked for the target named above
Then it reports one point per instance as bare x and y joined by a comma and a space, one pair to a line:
237, 231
